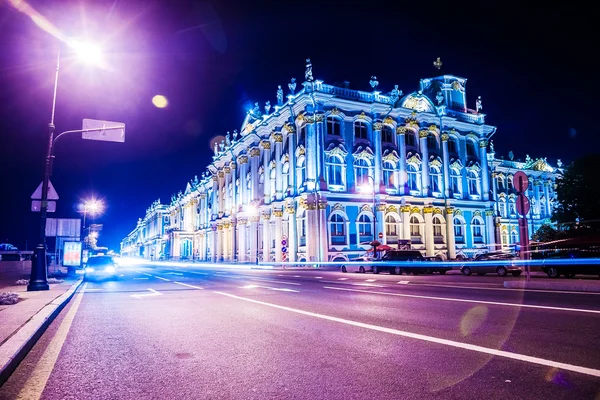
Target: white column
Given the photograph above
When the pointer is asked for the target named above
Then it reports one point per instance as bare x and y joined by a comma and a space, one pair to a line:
425, 162
278, 214
323, 237
446, 160
241, 228
226, 242
495, 193
235, 197
221, 181
379, 226
450, 239
243, 164
266, 241
292, 232
279, 189
219, 241
253, 232
215, 191
405, 222
400, 138
429, 243
266, 145
254, 154
490, 230
311, 152
312, 233
547, 195
485, 174
292, 153
227, 199
214, 244
377, 178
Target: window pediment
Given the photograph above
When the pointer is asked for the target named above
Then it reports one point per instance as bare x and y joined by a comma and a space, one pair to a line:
336, 150
474, 167
366, 153
414, 159
391, 156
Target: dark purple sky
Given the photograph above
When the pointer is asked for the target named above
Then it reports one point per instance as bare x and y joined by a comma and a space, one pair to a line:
532, 67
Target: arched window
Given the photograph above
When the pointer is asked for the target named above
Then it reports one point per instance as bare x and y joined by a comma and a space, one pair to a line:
387, 134
415, 230
301, 172
435, 179
285, 177
452, 148
337, 229
360, 130
272, 179
334, 126
509, 182
249, 181
334, 165
365, 228
392, 229
302, 228
512, 209
438, 231
500, 183
459, 230
413, 181
504, 237
431, 142
302, 134
362, 168
473, 182
471, 149
502, 207
477, 229
455, 180
388, 175
409, 139
514, 237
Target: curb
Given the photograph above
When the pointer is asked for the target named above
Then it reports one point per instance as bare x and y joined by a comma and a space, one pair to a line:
14, 350
567, 286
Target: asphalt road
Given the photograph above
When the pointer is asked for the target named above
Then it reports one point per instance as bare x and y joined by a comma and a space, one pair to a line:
220, 333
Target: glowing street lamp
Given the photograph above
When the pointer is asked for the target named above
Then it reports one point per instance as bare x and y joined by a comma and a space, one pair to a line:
93, 206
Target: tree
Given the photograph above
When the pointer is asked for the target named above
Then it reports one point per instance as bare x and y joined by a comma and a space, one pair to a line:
545, 233
578, 195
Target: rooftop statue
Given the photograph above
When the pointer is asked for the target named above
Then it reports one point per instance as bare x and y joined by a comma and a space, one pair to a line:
292, 85
395, 93
227, 139
267, 107
438, 63
439, 98
308, 73
374, 82
279, 95
235, 134
478, 105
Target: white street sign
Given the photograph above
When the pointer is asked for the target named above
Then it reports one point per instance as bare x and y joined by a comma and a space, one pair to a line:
36, 206
52, 195
107, 131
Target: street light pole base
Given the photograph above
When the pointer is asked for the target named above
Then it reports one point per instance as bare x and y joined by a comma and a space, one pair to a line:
39, 278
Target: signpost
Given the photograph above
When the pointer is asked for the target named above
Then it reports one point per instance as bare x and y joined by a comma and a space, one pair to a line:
284, 248
521, 183
107, 131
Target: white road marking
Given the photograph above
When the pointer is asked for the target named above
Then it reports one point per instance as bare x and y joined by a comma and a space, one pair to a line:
285, 290
403, 282
185, 284
146, 274
94, 289
318, 277
503, 288
154, 293
140, 278
164, 279
296, 276
370, 280
198, 273
367, 284
38, 379
342, 279
415, 296
174, 273
275, 281
269, 287
431, 339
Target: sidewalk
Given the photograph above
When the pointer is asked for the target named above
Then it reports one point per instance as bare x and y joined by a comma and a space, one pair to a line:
21, 324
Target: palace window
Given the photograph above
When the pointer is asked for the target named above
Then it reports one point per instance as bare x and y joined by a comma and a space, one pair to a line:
438, 235
473, 182
409, 139
273, 178
509, 182
302, 134
415, 230
362, 168
337, 229
459, 230
285, 172
335, 167
431, 142
364, 227
452, 149
387, 134
500, 183
334, 126
411, 171
470, 149
455, 179
360, 130
388, 175
512, 209
301, 173
391, 227
435, 178
476, 226
302, 228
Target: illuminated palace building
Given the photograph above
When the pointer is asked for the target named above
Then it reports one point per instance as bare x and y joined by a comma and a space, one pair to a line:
323, 174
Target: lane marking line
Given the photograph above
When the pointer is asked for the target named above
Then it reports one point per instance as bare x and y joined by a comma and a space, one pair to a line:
185, 284
35, 385
342, 279
269, 288
370, 280
274, 281
403, 282
318, 277
139, 278
147, 274
164, 279
496, 303
296, 276
503, 288
174, 273
154, 293
431, 339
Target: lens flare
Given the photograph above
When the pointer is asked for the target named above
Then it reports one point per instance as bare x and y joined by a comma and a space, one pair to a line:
160, 101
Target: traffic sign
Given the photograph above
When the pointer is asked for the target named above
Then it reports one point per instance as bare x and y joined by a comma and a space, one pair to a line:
520, 181
283, 237
107, 131
284, 242
380, 235
36, 206
52, 195
284, 250
523, 205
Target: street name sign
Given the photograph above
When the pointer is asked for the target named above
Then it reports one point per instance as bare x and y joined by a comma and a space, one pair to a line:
107, 131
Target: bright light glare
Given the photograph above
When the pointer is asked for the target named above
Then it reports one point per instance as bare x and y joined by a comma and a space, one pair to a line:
86, 52
160, 101
365, 188
93, 206
111, 269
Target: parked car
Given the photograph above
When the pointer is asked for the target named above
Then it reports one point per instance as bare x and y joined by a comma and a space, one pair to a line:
390, 262
488, 266
101, 267
358, 267
570, 269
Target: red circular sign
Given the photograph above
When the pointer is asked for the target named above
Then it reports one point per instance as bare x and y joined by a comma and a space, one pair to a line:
520, 181
380, 235
523, 205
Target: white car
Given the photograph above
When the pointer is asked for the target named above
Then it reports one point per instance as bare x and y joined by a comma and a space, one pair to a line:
359, 267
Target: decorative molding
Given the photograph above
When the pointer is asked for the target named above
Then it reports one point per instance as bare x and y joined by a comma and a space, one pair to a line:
319, 117
242, 160
437, 211
377, 126
336, 150
427, 210
300, 150
277, 212
265, 144
391, 209
254, 218
233, 165
227, 170
401, 130
483, 143
477, 213
415, 159
391, 156
381, 207
362, 115
290, 208
423, 133
489, 213
415, 210
389, 120
266, 216
254, 152
365, 208
472, 136
405, 209
458, 211
449, 210
277, 137
435, 163
221, 173
215, 178
337, 207
363, 153
242, 220
335, 111
445, 137
289, 128
322, 204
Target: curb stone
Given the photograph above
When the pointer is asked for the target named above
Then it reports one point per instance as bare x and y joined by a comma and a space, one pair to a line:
16, 347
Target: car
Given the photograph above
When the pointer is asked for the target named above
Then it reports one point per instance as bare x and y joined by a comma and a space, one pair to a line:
362, 268
570, 267
101, 267
488, 266
390, 262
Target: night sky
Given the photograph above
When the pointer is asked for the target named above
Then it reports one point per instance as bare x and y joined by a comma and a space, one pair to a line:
533, 68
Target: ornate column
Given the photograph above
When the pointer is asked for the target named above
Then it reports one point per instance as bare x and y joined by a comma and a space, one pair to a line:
405, 222
278, 139
227, 199
201, 247
213, 243
378, 166
220, 197
495, 192
425, 162
400, 137
323, 238
233, 240
450, 239
266, 145
241, 228
254, 154
312, 232
290, 208
485, 174
215, 190
320, 142
446, 160
429, 243
547, 184
253, 232
266, 218
225, 241
311, 152
219, 241
292, 153
537, 195
234, 189
380, 226
243, 162
490, 230
278, 214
